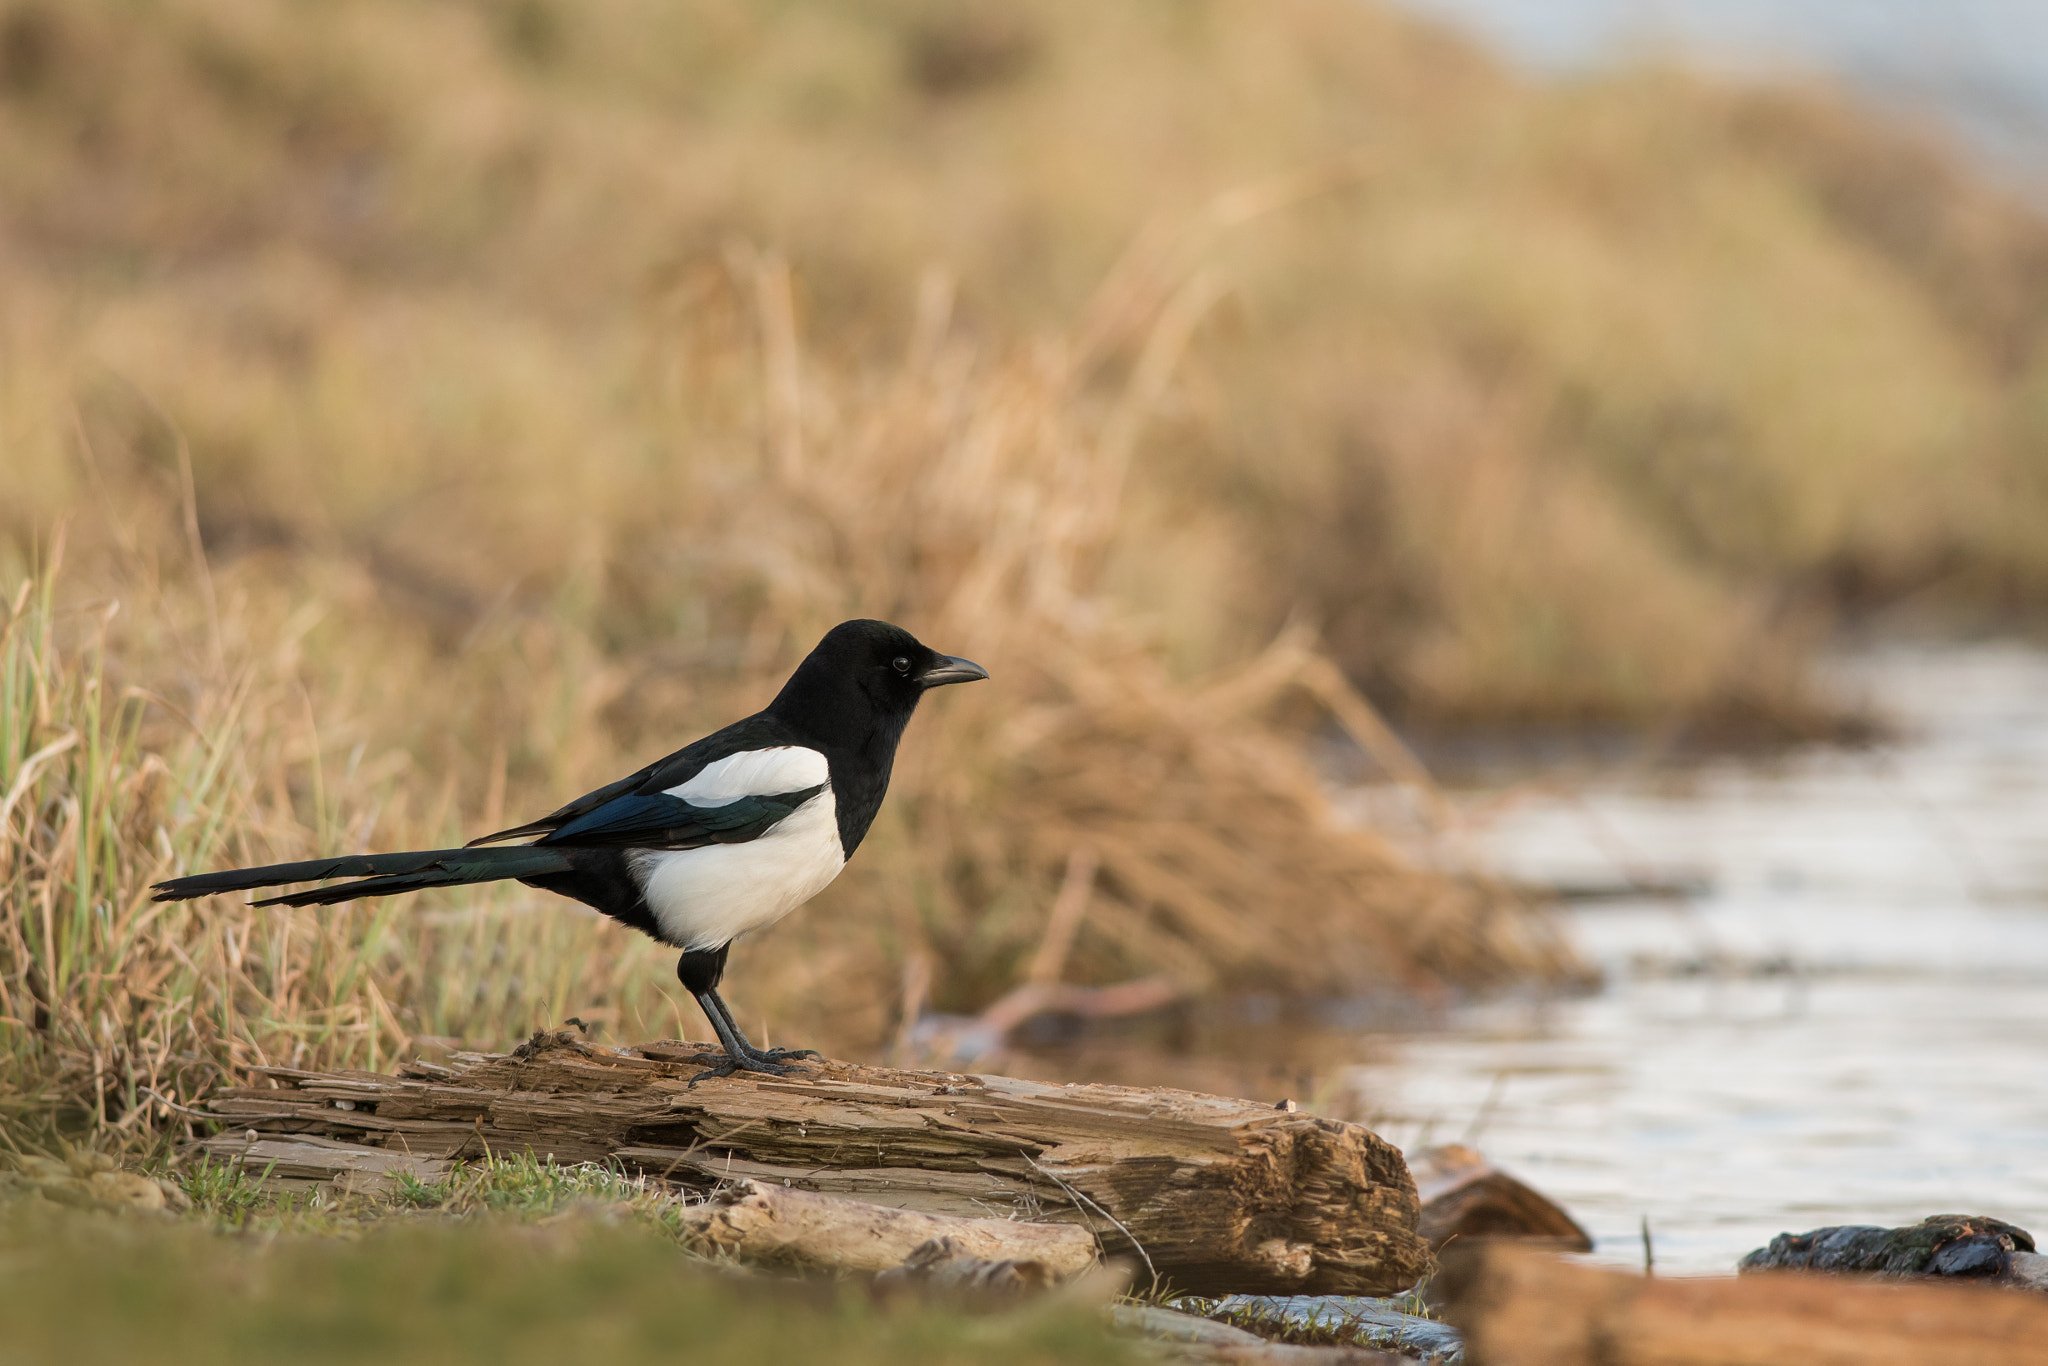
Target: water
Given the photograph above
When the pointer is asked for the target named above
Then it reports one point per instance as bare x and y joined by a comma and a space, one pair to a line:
1851, 1026
1981, 64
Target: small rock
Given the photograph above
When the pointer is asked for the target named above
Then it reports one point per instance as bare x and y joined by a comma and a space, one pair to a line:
85, 1166
118, 1190
1947, 1245
42, 1171
93, 1181
174, 1195
69, 1191
1383, 1324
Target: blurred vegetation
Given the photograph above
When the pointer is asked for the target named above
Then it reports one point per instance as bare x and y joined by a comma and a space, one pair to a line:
1542, 403
464, 400
525, 1278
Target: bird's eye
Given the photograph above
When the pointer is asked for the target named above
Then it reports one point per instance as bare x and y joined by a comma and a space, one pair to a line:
900, 664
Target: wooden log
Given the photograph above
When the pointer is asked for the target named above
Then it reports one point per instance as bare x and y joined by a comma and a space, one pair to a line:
1464, 1196
308, 1160
940, 1267
1214, 1195
1521, 1307
765, 1223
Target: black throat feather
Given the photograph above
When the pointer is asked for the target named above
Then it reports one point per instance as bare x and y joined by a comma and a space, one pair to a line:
856, 728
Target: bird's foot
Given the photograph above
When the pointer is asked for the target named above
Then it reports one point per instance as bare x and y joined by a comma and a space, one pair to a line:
771, 1062
730, 1065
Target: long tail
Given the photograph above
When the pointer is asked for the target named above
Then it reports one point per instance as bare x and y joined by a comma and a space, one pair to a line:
381, 874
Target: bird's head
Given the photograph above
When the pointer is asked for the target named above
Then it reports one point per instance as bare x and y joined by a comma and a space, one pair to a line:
864, 672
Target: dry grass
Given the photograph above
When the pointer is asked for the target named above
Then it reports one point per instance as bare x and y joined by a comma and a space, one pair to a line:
467, 401
113, 1009
973, 497
1546, 404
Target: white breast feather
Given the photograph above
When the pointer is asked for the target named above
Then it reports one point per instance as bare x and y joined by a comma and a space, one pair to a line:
706, 897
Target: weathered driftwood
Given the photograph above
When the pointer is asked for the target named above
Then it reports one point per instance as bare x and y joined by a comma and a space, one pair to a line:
305, 1160
89, 1181
764, 1223
1521, 1307
1464, 1196
1184, 1337
941, 1267
1972, 1246
1214, 1195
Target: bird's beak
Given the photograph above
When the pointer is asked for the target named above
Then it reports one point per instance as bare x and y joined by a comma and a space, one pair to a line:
951, 669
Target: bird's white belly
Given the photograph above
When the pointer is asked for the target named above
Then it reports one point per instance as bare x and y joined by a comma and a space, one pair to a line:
706, 897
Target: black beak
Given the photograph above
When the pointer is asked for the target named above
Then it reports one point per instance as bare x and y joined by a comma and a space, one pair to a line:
951, 669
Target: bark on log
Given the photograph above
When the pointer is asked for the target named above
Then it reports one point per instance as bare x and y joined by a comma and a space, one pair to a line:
772, 1224
1218, 1196
1464, 1196
1520, 1307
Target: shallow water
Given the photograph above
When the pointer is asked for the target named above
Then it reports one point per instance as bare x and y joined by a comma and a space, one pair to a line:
1849, 1026
1980, 64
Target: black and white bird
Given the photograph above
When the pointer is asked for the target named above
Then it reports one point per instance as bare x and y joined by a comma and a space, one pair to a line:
724, 836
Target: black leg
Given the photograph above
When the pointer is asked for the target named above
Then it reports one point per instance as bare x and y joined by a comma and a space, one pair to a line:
700, 971
760, 1054
741, 1056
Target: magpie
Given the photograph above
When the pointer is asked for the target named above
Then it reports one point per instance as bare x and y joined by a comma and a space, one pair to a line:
724, 836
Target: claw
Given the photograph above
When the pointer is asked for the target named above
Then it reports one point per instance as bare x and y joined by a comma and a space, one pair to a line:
769, 1062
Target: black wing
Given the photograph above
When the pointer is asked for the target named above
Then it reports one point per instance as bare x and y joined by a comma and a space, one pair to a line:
659, 821
759, 731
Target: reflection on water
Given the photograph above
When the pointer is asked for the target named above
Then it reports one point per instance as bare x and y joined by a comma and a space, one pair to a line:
1850, 1026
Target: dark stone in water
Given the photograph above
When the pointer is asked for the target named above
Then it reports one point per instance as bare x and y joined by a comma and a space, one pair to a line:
1980, 1254
1943, 1245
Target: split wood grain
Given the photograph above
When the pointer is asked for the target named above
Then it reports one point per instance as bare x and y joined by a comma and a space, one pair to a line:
1215, 1195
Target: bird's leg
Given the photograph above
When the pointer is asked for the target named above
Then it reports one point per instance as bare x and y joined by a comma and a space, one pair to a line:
741, 1056
734, 1035
699, 972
